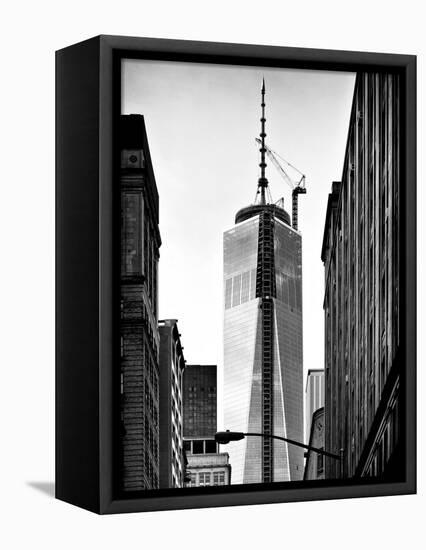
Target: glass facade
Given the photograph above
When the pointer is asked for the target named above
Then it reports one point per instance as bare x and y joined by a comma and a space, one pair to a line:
243, 386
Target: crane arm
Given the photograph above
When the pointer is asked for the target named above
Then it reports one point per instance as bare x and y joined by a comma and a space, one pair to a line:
297, 188
278, 166
280, 169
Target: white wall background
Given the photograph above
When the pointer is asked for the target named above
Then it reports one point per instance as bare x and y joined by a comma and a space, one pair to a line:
30, 33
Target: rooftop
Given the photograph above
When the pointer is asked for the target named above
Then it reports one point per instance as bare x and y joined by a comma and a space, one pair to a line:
253, 210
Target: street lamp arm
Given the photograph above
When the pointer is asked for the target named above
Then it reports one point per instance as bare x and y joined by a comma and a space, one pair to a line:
298, 444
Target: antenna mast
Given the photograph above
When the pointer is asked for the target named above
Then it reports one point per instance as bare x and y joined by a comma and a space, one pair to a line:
263, 182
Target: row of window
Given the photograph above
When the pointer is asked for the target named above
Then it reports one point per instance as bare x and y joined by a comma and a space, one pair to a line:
151, 439
138, 248
194, 389
151, 473
205, 479
241, 288
200, 446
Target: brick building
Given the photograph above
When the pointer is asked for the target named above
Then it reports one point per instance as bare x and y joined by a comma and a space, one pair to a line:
139, 337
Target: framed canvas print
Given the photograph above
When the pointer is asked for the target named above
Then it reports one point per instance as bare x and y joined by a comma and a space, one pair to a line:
236, 289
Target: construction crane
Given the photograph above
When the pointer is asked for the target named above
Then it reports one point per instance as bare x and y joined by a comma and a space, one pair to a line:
297, 187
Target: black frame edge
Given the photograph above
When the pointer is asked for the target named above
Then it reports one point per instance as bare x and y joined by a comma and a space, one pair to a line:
77, 361
410, 274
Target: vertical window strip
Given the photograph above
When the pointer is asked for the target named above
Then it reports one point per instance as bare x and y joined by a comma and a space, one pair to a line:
236, 291
228, 293
245, 287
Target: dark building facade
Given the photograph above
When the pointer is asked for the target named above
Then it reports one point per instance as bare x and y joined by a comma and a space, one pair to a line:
314, 467
200, 405
361, 257
139, 337
206, 466
172, 365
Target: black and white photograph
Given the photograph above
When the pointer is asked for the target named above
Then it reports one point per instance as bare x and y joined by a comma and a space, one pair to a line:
213, 244
260, 271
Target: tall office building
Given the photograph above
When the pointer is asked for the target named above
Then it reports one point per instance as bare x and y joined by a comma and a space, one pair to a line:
200, 406
172, 365
263, 378
206, 465
314, 397
139, 243
361, 257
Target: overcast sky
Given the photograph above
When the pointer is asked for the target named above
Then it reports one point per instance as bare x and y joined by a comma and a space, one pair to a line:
201, 121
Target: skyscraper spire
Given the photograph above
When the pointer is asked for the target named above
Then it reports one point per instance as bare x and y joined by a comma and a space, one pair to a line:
262, 280
263, 182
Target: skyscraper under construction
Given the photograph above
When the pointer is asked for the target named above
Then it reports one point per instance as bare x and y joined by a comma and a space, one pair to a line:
263, 362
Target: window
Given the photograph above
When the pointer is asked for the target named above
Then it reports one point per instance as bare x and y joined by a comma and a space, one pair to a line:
228, 293
219, 478
245, 287
236, 291
210, 446
131, 242
198, 447
253, 284
204, 478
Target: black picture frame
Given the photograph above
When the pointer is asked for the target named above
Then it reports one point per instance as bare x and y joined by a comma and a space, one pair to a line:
87, 106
